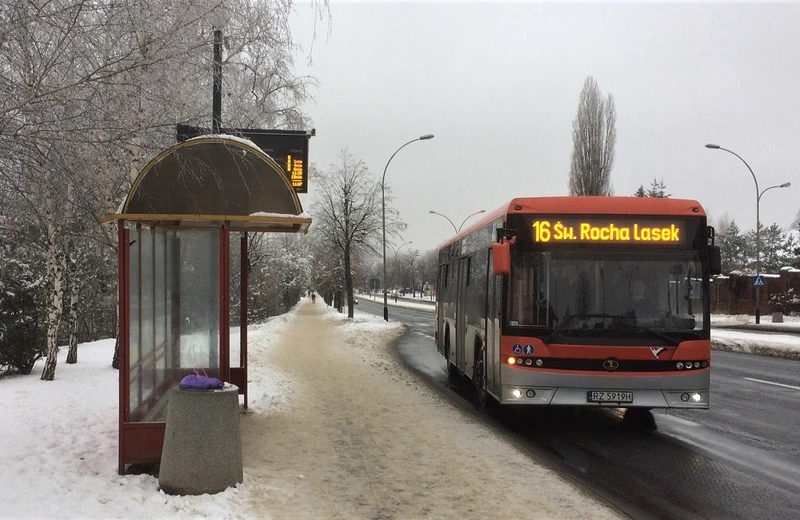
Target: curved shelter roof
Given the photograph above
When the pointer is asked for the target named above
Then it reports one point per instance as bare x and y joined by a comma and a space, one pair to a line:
210, 180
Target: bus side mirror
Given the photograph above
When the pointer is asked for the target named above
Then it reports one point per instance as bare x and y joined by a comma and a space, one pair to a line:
501, 254
715, 257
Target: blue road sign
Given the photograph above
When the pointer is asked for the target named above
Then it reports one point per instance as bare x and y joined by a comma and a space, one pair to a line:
758, 281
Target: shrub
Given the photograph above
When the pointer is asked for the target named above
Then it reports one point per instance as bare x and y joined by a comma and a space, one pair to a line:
787, 303
22, 337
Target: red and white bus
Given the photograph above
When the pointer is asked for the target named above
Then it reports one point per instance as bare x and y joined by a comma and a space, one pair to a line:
537, 303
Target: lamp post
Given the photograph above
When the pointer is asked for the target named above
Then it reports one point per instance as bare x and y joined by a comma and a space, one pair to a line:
758, 222
383, 217
219, 18
396, 252
457, 229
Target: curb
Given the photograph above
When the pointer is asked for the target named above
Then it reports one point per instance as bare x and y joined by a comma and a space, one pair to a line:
763, 328
758, 350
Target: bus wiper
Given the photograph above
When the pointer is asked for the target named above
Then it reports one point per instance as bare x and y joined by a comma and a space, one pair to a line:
564, 325
618, 322
652, 332
559, 329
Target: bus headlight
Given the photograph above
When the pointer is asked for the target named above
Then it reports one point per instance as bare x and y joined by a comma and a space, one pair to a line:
517, 393
693, 397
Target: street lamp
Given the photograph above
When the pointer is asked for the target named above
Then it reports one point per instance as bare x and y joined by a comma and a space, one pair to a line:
383, 217
758, 222
458, 229
396, 252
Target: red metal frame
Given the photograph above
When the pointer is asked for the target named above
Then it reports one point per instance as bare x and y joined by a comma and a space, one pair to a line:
123, 310
239, 374
225, 303
243, 319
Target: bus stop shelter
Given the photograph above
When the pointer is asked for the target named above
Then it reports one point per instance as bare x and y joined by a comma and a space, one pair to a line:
182, 254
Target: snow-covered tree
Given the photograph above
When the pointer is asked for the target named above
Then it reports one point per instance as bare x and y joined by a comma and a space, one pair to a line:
90, 91
280, 267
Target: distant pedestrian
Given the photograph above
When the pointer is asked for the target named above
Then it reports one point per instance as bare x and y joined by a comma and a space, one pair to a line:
313, 298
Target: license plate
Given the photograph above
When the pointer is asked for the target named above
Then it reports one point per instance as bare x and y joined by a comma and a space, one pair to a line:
596, 396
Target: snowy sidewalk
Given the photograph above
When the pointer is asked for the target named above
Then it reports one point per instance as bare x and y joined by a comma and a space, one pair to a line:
359, 437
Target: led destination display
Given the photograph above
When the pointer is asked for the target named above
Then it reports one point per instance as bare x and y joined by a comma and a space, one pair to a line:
594, 230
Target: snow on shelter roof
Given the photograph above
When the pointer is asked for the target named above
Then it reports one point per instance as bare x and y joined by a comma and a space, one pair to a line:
208, 180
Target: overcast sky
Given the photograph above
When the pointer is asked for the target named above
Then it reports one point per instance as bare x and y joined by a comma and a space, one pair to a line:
498, 83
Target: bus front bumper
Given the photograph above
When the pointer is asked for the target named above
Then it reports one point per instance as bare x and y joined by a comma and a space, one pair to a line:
606, 397
675, 390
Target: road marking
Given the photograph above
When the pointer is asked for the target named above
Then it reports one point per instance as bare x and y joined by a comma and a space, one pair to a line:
772, 383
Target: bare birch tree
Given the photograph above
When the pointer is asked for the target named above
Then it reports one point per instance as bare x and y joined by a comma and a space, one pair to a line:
90, 91
347, 215
594, 135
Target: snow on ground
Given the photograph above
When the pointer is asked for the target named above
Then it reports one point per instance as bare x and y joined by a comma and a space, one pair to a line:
59, 442
58, 439
739, 340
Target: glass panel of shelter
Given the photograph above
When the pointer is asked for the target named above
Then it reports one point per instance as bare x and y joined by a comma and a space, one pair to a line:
174, 314
235, 299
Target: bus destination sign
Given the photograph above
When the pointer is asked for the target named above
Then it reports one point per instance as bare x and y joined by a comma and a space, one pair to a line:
606, 230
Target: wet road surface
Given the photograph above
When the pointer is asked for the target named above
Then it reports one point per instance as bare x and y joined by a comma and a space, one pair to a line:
741, 459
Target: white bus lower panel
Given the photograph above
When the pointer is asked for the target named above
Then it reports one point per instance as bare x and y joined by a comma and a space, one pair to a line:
684, 391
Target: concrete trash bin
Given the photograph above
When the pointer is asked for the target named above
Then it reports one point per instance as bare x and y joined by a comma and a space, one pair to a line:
202, 450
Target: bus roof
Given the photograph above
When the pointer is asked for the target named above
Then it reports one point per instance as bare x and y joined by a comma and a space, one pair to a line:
586, 206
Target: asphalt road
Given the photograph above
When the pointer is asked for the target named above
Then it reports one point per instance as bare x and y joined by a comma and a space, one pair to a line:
740, 459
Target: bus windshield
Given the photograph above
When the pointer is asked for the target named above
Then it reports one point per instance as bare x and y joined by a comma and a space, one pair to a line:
567, 295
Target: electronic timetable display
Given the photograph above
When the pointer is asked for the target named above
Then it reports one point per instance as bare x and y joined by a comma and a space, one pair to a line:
289, 148
610, 230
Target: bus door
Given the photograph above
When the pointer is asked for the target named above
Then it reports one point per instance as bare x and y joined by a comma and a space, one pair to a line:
493, 302
461, 330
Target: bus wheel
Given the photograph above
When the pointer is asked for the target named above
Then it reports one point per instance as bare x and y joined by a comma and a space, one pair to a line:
639, 418
479, 377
